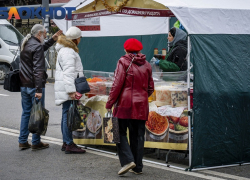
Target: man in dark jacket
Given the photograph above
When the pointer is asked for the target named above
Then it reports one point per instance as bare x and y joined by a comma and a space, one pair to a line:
33, 78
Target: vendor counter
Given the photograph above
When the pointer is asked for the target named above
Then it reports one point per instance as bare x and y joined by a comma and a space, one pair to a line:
167, 125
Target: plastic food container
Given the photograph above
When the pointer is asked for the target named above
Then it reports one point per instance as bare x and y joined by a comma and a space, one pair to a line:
163, 95
108, 86
93, 89
101, 88
179, 97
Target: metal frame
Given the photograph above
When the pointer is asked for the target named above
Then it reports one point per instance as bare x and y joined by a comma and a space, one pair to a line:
166, 165
93, 149
162, 164
169, 18
144, 160
189, 118
215, 167
189, 124
189, 128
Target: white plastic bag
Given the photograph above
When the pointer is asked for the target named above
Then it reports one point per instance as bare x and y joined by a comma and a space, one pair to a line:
155, 68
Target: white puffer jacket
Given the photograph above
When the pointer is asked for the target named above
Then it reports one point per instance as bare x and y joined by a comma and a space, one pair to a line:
71, 65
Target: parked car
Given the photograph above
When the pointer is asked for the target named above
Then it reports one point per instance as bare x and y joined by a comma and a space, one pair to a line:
10, 40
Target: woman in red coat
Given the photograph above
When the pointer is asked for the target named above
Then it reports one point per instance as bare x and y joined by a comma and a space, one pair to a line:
133, 84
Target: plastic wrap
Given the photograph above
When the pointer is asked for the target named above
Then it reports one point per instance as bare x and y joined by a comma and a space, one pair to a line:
155, 68
98, 82
104, 76
170, 76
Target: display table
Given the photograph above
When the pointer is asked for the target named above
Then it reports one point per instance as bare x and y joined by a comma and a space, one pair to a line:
167, 125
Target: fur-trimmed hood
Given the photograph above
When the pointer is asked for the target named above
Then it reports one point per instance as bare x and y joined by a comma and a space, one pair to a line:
65, 42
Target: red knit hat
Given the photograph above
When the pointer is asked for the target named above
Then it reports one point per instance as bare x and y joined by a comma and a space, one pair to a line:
133, 45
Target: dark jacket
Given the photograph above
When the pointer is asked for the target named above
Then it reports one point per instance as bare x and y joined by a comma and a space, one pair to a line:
32, 69
130, 91
176, 56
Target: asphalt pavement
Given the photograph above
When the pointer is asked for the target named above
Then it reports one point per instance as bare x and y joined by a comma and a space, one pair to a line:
52, 163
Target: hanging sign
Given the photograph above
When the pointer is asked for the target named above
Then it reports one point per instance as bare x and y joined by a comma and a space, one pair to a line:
127, 11
87, 24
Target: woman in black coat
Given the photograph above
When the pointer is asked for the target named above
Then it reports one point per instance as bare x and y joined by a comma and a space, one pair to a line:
176, 57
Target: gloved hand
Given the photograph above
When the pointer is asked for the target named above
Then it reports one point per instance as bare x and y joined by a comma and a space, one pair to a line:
157, 62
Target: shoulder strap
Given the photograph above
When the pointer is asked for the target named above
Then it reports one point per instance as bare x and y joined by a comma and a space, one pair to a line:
59, 61
130, 64
62, 69
60, 65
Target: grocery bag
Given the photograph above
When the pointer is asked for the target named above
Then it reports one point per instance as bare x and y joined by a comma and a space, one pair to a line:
111, 129
154, 67
46, 121
39, 118
73, 117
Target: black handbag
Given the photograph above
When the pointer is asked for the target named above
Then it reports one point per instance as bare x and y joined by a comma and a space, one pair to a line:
81, 83
12, 81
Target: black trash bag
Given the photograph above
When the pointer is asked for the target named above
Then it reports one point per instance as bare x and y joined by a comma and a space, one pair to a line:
73, 118
39, 118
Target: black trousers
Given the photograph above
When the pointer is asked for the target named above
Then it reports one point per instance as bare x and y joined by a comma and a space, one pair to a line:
133, 152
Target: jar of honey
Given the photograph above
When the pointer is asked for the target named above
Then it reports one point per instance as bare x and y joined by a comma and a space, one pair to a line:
164, 53
155, 51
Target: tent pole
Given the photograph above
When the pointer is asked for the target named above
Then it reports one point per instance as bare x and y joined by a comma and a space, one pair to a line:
67, 25
168, 28
189, 118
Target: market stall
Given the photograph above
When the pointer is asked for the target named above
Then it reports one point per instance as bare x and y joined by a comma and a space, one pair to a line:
219, 43
220, 39
167, 127
138, 18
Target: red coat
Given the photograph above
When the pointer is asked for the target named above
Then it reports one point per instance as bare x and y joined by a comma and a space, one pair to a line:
130, 91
